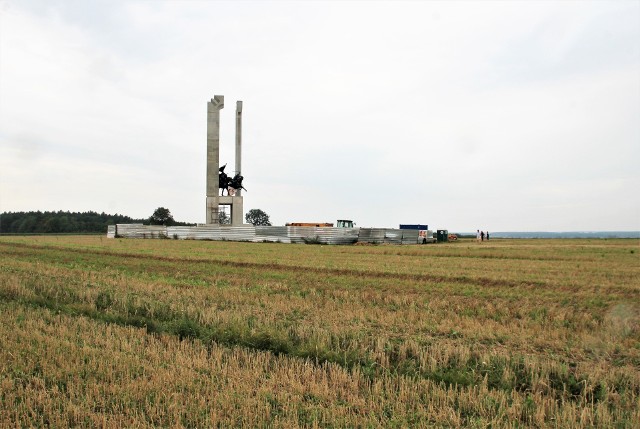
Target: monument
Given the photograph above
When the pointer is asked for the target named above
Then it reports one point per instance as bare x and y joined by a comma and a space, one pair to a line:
216, 177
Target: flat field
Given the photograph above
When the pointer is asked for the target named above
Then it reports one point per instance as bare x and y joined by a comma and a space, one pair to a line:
99, 332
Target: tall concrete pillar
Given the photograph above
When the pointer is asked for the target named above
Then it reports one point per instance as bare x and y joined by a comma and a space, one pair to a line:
213, 156
239, 140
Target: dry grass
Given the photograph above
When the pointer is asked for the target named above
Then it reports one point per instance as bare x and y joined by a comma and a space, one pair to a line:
184, 333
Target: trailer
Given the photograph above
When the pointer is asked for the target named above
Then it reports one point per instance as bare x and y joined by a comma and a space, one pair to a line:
425, 235
340, 223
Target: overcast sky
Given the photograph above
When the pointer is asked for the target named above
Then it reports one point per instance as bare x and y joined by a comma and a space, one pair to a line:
506, 116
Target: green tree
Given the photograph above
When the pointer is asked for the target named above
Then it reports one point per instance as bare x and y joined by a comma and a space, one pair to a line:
161, 216
223, 218
257, 217
28, 224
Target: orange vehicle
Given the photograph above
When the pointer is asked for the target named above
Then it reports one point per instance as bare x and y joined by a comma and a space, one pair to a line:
453, 237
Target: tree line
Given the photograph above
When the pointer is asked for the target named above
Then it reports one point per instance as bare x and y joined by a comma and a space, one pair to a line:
61, 222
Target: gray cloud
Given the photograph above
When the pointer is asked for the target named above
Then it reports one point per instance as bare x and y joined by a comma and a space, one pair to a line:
463, 115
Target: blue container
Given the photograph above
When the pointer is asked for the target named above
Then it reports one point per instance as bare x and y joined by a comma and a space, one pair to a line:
418, 226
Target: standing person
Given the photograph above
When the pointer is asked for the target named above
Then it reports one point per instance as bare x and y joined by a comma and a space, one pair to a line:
481, 235
487, 235
478, 236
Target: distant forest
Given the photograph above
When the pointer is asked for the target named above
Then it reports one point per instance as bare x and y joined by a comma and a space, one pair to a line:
62, 222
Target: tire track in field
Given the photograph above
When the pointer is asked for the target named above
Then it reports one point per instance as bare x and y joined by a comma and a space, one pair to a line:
409, 253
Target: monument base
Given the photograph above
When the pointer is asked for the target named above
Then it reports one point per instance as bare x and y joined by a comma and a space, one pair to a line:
213, 209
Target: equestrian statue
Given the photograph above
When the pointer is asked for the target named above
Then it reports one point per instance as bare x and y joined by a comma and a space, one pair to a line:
231, 184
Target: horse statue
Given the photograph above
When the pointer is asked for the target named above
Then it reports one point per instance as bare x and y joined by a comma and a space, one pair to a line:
235, 184
231, 184
223, 179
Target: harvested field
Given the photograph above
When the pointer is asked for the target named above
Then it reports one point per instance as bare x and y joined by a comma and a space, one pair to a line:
146, 333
